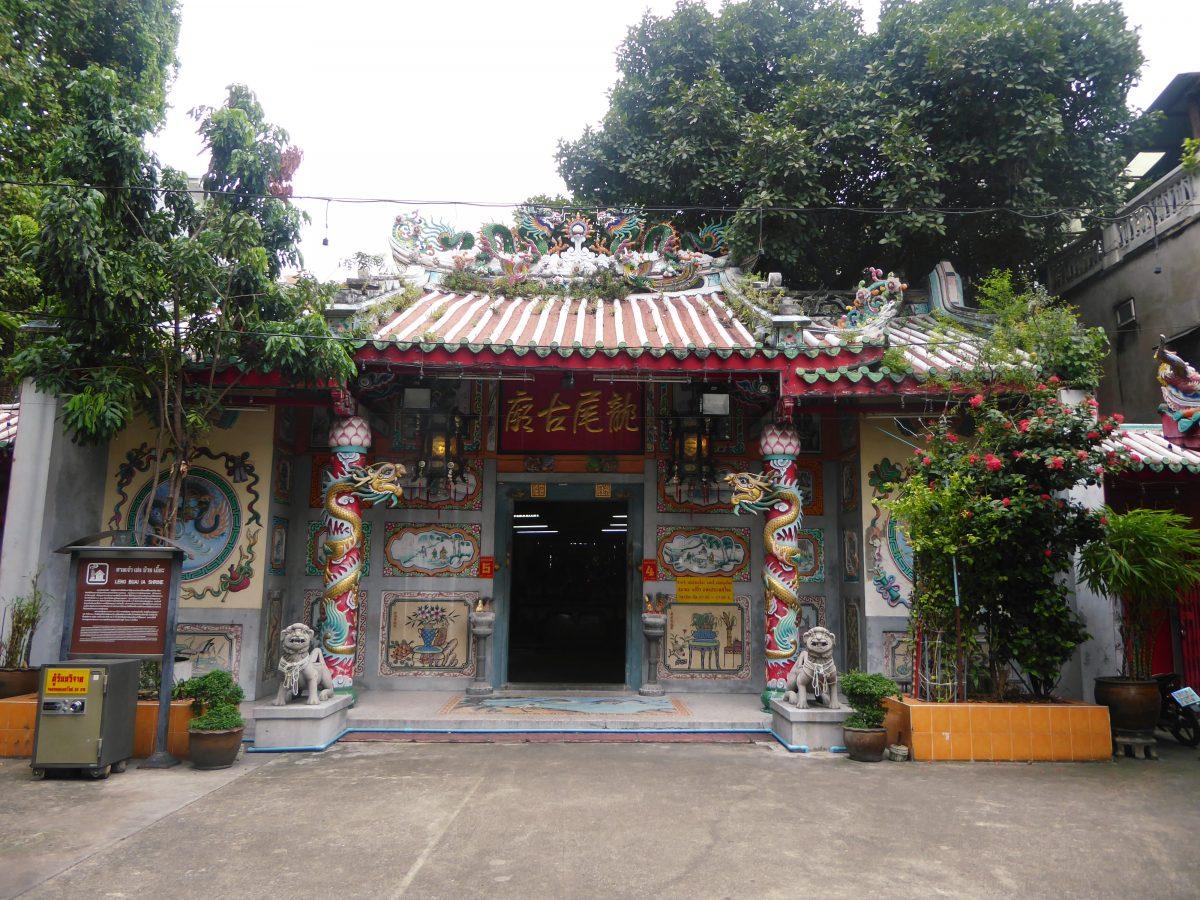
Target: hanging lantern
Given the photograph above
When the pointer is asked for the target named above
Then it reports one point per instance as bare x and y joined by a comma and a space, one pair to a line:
441, 460
691, 459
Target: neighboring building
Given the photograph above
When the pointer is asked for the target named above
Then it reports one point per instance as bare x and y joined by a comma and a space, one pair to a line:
566, 454
1139, 277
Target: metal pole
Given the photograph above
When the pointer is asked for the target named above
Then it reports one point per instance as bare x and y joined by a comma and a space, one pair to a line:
161, 758
959, 679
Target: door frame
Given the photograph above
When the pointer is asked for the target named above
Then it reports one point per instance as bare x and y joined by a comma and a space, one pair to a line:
507, 493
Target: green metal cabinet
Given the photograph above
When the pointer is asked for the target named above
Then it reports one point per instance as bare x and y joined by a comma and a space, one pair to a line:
86, 711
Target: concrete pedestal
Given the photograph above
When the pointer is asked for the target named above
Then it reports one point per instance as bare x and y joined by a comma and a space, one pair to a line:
299, 726
815, 728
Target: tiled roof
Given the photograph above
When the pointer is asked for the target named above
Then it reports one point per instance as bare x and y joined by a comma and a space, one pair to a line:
1149, 450
9, 413
682, 321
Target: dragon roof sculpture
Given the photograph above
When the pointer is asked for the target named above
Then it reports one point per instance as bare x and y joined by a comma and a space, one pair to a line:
560, 247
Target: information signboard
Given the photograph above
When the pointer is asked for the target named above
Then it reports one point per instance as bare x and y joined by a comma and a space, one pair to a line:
121, 606
703, 590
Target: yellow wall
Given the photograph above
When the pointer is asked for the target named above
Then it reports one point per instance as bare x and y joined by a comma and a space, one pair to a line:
252, 432
876, 445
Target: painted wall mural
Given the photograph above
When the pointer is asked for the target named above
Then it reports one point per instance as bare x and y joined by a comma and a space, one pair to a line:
273, 624
703, 551
851, 556
812, 486
887, 557
811, 613
314, 615
211, 647
445, 549
277, 553
283, 478
314, 562
219, 521
707, 641
810, 554
848, 484
426, 633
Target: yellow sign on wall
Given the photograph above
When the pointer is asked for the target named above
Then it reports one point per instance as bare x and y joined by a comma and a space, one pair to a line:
703, 590
67, 681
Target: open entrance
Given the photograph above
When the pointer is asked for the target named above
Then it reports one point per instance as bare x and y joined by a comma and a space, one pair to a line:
568, 603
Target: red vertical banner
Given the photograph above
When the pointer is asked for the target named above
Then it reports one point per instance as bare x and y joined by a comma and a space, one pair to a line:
547, 416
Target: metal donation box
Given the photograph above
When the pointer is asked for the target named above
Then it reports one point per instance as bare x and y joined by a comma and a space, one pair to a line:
86, 710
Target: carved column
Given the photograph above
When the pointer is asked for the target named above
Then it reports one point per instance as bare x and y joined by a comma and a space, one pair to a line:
779, 446
483, 623
654, 624
349, 441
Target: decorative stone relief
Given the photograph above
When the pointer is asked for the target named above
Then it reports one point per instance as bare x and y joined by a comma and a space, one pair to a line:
703, 551
441, 549
211, 647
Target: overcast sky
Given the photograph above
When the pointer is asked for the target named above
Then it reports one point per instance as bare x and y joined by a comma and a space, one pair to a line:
452, 99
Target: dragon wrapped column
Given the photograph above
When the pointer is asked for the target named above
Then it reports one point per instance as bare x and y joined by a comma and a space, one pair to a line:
349, 485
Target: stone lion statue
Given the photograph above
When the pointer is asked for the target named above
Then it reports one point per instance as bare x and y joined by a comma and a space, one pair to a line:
815, 670
302, 666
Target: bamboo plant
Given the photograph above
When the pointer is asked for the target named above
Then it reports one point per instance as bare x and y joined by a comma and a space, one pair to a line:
24, 613
1143, 560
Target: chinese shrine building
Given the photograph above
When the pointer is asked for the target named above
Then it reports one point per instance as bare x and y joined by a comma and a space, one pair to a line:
560, 403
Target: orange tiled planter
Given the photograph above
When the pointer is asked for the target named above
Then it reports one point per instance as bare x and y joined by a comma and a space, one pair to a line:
18, 717
1000, 732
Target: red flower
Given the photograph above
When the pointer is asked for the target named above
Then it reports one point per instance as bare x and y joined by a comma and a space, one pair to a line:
952, 438
1044, 497
1093, 435
967, 514
1111, 457
1099, 470
976, 401
1023, 426
925, 460
1104, 520
993, 462
1056, 462
1118, 418
1081, 454
1048, 553
1054, 379
1018, 454
1006, 502
1091, 401
1042, 387
973, 458
1135, 457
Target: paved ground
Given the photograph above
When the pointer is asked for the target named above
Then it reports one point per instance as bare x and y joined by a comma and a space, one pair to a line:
605, 820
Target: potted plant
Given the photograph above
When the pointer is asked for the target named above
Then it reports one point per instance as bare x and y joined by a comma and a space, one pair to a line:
23, 614
863, 732
215, 735
1144, 558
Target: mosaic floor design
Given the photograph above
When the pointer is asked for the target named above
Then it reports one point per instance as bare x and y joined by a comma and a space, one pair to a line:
650, 707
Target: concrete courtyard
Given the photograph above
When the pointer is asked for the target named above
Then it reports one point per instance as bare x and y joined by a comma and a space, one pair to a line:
605, 820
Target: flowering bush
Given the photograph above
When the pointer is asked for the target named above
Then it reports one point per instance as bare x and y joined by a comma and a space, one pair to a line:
989, 489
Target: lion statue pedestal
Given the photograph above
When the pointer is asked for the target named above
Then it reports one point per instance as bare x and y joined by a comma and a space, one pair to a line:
794, 721
313, 724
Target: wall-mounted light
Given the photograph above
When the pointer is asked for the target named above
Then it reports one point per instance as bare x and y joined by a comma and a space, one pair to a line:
441, 459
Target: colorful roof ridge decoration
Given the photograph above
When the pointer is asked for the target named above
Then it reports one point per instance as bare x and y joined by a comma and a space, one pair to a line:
560, 247
1180, 385
9, 415
1149, 450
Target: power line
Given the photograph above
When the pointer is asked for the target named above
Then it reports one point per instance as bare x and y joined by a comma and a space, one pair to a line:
1061, 212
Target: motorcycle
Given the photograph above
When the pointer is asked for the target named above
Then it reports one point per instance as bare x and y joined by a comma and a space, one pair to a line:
1174, 717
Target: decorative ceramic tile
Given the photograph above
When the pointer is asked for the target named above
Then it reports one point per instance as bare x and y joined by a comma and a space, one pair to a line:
848, 484
426, 633
811, 614
277, 555
898, 656
850, 634
271, 629
889, 558
851, 556
282, 478
707, 641
810, 481
442, 548
211, 647
210, 519
810, 554
314, 613
316, 540
703, 551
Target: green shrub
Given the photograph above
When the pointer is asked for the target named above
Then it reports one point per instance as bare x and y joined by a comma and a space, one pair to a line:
866, 693
220, 718
208, 691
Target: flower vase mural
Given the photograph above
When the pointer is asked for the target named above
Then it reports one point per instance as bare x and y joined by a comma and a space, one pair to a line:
426, 633
706, 640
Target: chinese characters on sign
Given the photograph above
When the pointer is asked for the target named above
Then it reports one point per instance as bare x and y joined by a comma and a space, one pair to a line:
121, 606
544, 416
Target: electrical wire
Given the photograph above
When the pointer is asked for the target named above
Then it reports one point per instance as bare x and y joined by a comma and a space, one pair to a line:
1061, 212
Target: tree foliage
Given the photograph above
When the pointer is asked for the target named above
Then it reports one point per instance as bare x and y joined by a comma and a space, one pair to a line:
951, 104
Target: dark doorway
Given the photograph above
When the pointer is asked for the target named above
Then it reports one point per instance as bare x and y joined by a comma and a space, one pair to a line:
567, 613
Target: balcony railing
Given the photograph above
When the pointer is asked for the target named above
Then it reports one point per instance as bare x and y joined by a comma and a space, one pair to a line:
1168, 203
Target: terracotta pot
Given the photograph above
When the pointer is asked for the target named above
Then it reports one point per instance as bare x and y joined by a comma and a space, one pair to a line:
865, 744
15, 682
214, 749
1133, 703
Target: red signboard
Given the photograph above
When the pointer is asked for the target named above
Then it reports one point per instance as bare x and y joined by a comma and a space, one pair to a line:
546, 416
121, 606
649, 570
487, 567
